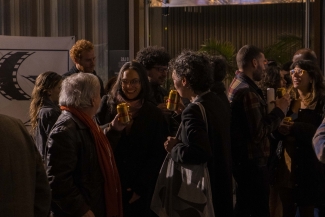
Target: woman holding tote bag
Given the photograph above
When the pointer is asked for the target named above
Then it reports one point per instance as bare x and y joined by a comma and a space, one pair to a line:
200, 150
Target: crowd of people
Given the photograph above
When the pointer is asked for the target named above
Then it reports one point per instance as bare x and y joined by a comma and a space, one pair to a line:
84, 157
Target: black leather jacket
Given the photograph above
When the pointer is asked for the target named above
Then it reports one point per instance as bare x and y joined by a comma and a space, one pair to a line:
73, 170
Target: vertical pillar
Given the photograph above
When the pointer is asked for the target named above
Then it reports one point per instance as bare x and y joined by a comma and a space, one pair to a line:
132, 19
54, 18
81, 19
40, 18
14, 17
319, 31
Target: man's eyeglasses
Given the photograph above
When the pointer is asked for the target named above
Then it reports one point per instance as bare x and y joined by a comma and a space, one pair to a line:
299, 72
161, 69
132, 82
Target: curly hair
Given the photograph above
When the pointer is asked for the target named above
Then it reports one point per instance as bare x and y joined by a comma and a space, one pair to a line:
117, 88
151, 56
272, 78
80, 46
44, 82
196, 68
317, 87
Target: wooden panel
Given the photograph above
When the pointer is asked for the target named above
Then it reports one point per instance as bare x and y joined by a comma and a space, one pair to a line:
259, 25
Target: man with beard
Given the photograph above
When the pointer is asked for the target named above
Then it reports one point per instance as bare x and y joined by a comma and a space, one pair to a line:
83, 55
250, 128
155, 59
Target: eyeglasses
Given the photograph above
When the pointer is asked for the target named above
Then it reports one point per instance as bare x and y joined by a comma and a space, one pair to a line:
133, 82
161, 69
299, 72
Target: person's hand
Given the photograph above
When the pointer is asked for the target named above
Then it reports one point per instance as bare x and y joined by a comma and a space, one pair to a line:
170, 143
134, 197
117, 124
283, 103
89, 213
285, 127
163, 108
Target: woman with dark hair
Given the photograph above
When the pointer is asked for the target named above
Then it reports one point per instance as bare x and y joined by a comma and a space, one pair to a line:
44, 109
196, 143
138, 145
299, 177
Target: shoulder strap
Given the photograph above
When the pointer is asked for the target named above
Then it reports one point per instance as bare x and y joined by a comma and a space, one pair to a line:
203, 113
204, 118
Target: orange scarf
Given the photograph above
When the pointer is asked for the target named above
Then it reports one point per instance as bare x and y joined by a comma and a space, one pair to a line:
112, 186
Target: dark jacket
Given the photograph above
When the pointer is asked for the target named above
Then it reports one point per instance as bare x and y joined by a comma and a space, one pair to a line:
219, 89
198, 146
73, 169
47, 116
307, 173
74, 70
139, 154
24, 189
250, 124
158, 94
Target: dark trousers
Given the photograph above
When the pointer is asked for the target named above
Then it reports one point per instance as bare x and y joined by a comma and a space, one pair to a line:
252, 192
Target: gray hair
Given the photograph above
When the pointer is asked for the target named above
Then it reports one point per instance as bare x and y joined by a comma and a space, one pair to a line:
78, 89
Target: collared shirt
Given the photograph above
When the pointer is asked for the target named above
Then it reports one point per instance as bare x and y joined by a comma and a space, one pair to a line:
250, 123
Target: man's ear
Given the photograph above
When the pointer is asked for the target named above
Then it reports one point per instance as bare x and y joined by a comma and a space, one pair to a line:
75, 60
92, 102
254, 63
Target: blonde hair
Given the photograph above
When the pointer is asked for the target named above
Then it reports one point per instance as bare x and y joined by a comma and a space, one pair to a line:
79, 47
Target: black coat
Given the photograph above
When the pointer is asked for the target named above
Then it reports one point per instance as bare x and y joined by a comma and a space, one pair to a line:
24, 189
139, 154
198, 146
47, 116
307, 173
73, 169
